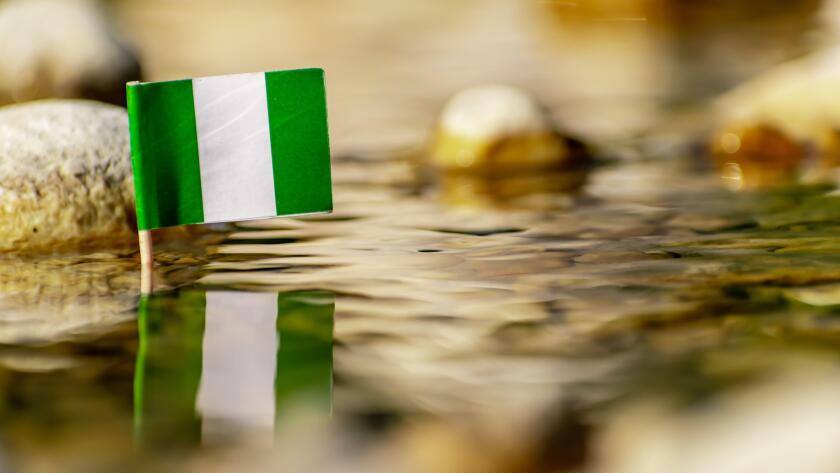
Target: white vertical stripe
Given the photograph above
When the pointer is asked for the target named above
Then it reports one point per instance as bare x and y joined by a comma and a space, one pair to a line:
239, 364
234, 147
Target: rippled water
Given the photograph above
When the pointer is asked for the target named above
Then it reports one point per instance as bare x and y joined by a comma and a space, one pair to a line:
417, 310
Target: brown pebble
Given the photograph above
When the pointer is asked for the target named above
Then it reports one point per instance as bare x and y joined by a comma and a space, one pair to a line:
755, 156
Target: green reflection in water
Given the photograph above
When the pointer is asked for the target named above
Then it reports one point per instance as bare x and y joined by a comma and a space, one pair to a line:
215, 364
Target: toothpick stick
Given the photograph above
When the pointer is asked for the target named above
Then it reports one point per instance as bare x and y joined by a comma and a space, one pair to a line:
147, 260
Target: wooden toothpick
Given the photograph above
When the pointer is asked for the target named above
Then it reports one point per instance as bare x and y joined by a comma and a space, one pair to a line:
147, 260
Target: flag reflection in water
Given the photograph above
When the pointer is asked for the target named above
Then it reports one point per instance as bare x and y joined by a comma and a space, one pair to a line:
220, 366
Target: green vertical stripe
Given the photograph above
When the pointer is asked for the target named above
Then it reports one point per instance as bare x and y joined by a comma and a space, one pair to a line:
300, 148
167, 374
305, 359
164, 154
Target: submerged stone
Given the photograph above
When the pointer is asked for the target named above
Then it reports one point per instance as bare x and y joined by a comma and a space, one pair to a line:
799, 96
65, 174
755, 156
55, 48
498, 129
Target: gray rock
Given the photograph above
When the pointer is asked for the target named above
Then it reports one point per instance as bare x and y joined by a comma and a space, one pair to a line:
61, 48
65, 174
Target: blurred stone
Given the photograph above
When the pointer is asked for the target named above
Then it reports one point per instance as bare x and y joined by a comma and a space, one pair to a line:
61, 48
787, 422
497, 129
822, 295
799, 97
65, 175
755, 156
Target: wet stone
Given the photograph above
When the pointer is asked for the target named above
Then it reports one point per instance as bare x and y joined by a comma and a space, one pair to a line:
65, 175
754, 157
497, 130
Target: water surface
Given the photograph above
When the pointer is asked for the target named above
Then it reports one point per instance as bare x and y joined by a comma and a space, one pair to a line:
446, 305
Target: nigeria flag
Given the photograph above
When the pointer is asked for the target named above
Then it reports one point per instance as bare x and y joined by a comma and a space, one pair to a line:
229, 148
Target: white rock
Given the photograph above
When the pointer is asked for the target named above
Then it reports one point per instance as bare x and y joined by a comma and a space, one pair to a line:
65, 174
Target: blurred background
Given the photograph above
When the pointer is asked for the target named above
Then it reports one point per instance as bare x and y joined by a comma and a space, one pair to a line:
604, 69
570, 236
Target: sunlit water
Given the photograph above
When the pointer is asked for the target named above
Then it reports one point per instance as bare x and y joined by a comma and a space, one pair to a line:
323, 341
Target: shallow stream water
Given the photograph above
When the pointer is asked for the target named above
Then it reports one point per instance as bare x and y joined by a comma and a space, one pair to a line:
514, 321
